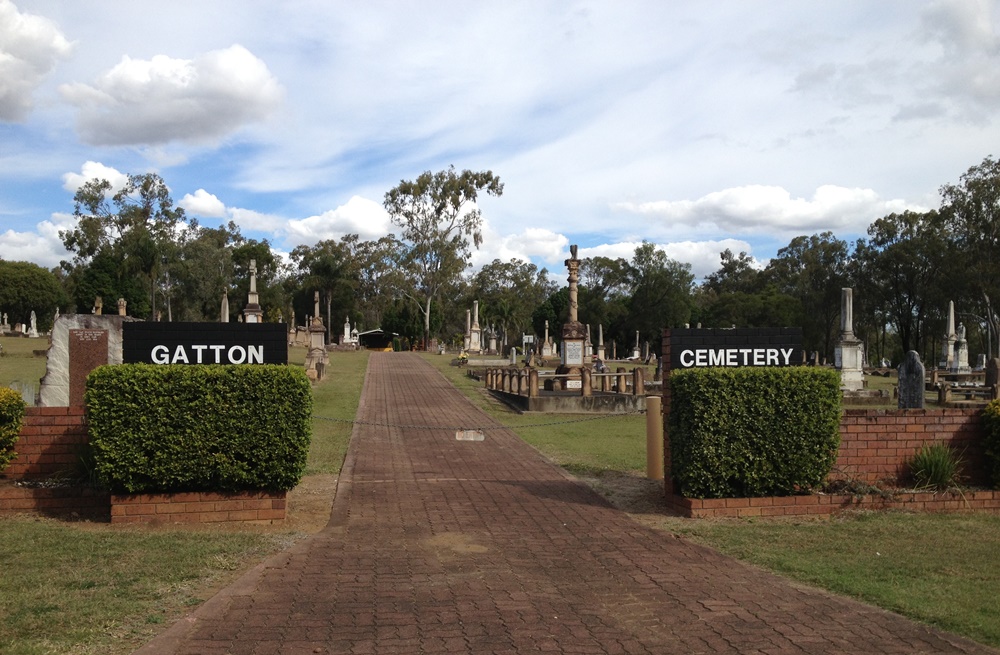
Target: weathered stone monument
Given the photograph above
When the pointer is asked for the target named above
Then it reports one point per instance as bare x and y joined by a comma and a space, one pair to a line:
849, 351
252, 313
467, 342
475, 332
33, 330
588, 346
636, 352
960, 362
948, 341
98, 306
600, 342
911, 382
122, 307
317, 359
547, 350
224, 310
80, 343
573, 332
4, 326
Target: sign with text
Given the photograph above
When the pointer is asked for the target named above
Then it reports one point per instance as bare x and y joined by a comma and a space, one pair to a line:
204, 343
704, 347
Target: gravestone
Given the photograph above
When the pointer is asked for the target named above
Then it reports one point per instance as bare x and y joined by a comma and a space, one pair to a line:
88, 349
960, 363
33, 332
993, 372
849, 351
911, 382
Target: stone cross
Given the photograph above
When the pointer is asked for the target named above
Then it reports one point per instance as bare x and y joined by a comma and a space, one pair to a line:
911, 382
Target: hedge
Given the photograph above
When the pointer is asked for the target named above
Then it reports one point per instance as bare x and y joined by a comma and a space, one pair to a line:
745, 432
991, 440
172, 428
11, 415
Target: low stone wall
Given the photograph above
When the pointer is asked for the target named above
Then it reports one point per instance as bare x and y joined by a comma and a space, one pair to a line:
50, 445
51, 441
828, 504
199, 507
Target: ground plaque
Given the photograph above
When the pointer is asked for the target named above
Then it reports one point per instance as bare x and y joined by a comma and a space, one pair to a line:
88, 349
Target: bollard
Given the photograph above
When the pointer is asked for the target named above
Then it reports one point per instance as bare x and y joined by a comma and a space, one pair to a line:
654, 438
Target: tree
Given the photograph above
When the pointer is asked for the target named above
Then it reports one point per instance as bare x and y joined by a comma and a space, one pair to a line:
971, 213
813, 270
508, 293
438, 215
26, 288
328, 267
661, 293
135, 227
899, 270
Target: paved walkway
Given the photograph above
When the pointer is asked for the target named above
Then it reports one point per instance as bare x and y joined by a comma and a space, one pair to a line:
445, 546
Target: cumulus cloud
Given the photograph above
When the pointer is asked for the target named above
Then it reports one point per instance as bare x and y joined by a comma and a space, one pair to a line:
360, 216
30, 47
156, 101
95, 170
42, 246
770, 209
203, 203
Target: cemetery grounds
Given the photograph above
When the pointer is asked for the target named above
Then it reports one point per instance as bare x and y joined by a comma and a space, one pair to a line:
80, 587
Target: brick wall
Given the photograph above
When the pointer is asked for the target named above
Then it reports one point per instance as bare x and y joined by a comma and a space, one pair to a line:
51, 441
876, 444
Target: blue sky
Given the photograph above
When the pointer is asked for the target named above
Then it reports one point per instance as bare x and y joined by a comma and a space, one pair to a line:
696, 126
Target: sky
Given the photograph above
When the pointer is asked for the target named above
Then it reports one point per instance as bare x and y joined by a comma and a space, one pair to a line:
695, 126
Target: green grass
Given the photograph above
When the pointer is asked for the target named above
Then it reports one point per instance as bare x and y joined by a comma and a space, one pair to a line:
18, 365
941, 569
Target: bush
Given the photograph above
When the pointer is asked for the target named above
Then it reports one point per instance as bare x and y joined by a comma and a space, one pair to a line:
991, 421
198, 428
935, 466
744, 432
11, 415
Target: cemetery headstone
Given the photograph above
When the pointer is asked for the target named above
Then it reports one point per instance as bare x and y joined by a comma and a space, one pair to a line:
911, 382
80, 343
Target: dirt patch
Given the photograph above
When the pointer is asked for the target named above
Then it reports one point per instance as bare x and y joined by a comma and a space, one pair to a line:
310, 503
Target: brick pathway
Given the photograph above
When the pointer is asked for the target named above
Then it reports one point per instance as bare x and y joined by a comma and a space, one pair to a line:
444, 546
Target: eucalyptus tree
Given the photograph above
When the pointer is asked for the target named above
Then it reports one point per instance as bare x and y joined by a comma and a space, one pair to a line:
508, 293
133, 228
438, 216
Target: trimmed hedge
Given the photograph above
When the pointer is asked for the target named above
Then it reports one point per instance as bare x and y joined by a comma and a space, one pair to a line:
171, 428
11, 416
991, 440
746, 432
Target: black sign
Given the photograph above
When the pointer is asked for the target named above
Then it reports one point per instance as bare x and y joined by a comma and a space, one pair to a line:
703, 347
204, 343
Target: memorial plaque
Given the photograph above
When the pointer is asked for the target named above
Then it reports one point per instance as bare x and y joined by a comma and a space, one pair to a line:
573, 353
88, 349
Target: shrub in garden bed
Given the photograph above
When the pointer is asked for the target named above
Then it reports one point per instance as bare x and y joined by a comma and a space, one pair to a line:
171, 428
744, 432
11, 416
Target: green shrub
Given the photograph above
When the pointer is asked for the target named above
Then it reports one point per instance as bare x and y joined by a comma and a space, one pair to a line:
935, 466
11, 415
991, 438
197, 428
744, 432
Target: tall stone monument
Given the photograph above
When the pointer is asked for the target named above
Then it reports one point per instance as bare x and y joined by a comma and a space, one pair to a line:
467, 343
849, 351
600, 342
224, 309
949, 339
317, 359
33, 330
960, 362
573, 332
252, 313
475, 332
547, 350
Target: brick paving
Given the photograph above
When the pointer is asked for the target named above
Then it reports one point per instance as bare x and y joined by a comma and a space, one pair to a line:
443, 546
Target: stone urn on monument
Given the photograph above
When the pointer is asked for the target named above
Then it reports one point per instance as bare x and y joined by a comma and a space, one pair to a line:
574, 333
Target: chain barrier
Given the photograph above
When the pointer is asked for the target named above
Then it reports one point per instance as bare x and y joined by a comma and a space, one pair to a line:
405, 426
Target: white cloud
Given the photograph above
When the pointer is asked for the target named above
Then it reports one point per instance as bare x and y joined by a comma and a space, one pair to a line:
95, 170
30, 46
155, 101
42, 246
360, 216
769, 209
203, 203
254, 220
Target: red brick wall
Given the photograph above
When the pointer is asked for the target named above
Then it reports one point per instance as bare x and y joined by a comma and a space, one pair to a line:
203, 507
51, 441
876, 444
